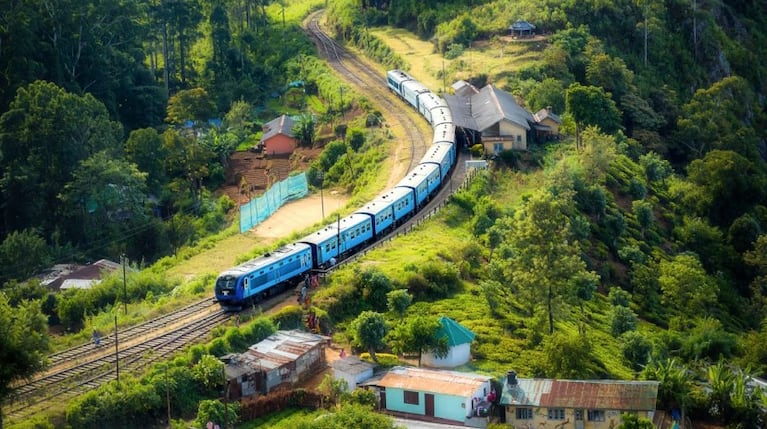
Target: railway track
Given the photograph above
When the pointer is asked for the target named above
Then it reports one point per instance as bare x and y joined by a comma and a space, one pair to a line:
372, 82
79, 369
95, 366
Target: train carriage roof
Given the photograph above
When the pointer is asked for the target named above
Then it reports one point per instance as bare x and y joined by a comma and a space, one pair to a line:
267, 259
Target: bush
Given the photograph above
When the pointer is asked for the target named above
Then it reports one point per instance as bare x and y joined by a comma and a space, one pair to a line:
289, 317
622, 320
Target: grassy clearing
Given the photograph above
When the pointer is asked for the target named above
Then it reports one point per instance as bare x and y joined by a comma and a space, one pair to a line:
496, 58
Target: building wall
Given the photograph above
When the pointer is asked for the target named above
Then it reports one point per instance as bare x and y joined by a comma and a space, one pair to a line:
445, 406
519, 134
540, 419
554, 125
456, 356
351, 379
279, 145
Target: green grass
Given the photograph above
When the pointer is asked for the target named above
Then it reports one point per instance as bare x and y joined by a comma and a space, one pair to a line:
281, 419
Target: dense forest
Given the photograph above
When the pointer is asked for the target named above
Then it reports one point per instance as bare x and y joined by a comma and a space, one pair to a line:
648, 223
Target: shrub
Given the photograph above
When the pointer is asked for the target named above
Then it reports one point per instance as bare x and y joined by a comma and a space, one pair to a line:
622, 320
289, 317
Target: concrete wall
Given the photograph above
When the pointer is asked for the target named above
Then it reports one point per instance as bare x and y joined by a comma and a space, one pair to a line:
456, 356
279, 145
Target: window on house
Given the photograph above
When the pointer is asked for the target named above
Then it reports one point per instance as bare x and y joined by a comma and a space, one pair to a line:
524, 413
497, 147
596, 415
556, 413
411, 397
519, 138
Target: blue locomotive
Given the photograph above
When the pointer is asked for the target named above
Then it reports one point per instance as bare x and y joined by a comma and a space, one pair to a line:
285, 267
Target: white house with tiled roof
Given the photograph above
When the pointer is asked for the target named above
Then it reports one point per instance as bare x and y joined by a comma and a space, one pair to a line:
578, 404
459, 340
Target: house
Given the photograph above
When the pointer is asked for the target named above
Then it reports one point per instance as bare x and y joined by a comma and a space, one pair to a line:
495, 115
521, 28
581, 404
547, 124
352, 369
435, 395
281, 360
73, 276
278, 138
459, 342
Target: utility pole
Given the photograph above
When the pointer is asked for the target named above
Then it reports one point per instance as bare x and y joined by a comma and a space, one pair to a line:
117, 353
167, 392
125, 288
226, 394
321, 176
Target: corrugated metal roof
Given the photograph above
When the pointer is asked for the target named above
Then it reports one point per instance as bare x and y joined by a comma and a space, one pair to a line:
455, 332
491, 105
352, 365
546, 113
461, 109
589, 394
432, 381
282, 125
486, 108
280, 348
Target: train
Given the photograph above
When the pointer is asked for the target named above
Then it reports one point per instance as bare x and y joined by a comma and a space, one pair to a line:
257, 279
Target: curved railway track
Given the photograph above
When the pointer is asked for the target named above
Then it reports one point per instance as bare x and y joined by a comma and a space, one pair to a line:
79, 369
372, 82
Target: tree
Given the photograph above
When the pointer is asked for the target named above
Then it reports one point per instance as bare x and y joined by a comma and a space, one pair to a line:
398, 301
675, 382
22, 254
145, 149
218, 412
598, 154
590, 105
374, 285
611, 74
545, 259
622, 320
568, 356
635, 349
305, 130
24, 344
686, 286
190, 105
104, 193
368, 331
548, 93
419, 334
44, 136
731, 128
726, 184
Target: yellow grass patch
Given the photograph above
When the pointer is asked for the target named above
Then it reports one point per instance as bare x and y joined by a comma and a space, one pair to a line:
496, 58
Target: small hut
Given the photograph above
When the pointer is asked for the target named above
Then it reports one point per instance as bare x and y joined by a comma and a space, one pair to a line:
521, 28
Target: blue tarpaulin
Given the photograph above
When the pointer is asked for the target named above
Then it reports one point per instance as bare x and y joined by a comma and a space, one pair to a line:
260, 208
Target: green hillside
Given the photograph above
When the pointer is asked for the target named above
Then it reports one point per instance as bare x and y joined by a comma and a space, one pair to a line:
634, 247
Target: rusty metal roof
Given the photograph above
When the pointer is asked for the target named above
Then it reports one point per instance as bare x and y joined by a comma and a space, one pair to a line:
433, 381
281, 348
590, 394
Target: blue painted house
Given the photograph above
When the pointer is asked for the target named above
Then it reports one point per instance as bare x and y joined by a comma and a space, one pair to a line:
434, 395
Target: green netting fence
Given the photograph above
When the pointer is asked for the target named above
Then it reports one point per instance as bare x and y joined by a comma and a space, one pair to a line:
260, 208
